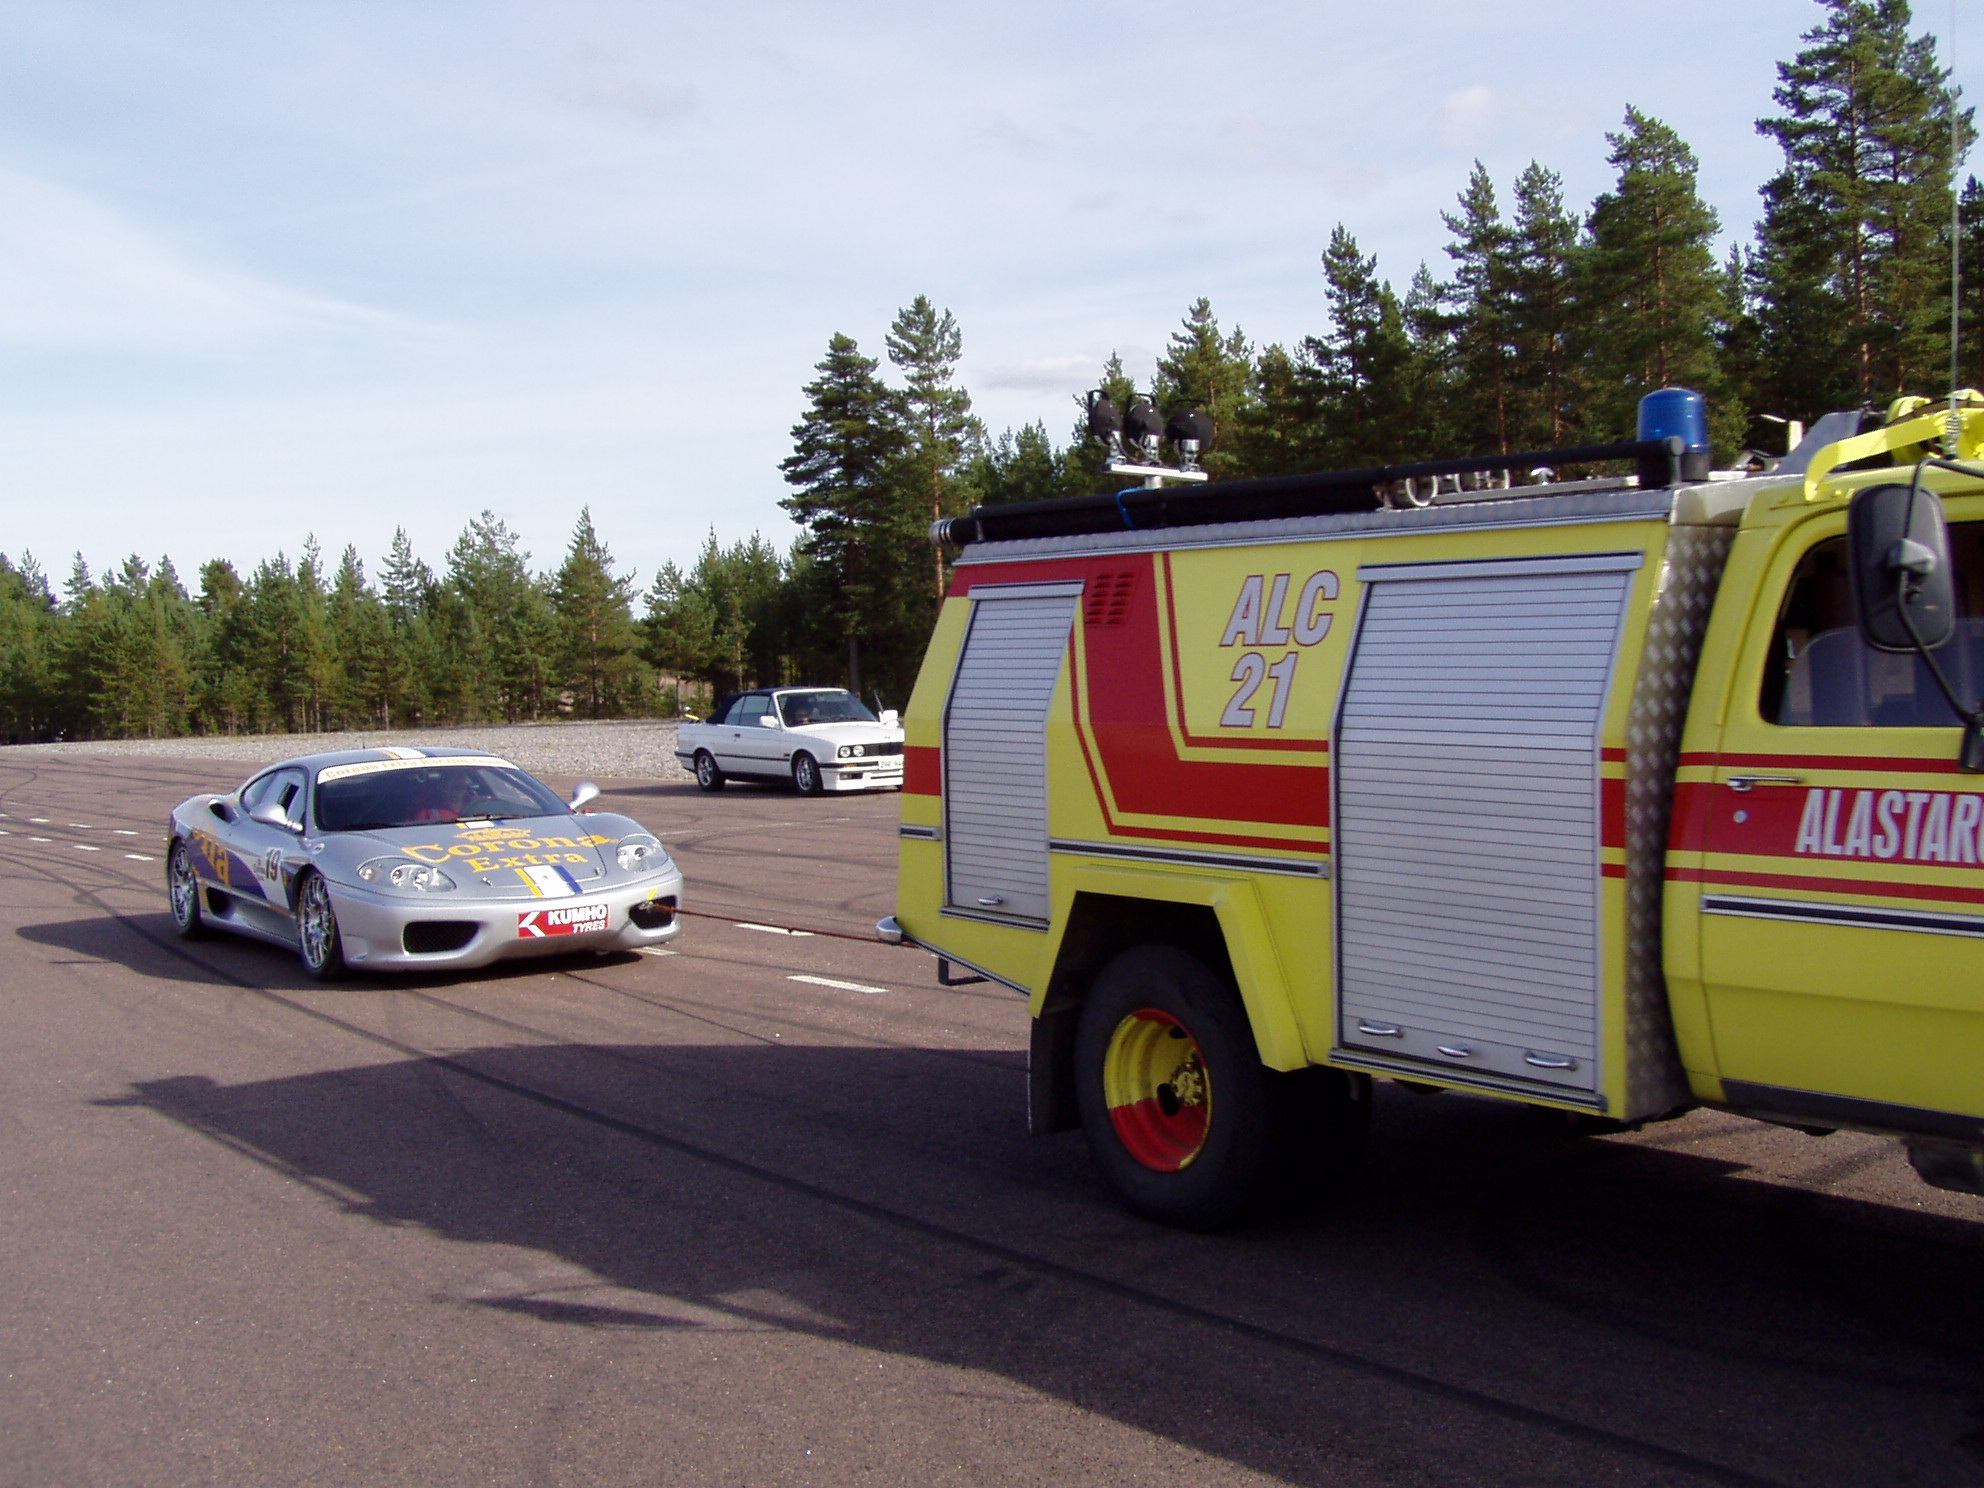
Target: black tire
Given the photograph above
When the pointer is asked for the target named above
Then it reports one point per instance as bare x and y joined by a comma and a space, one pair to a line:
806, 774
1266, 1137
184, 894
318, 943
708, 776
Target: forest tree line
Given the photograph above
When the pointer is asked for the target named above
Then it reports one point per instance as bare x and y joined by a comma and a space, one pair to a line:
1544, 328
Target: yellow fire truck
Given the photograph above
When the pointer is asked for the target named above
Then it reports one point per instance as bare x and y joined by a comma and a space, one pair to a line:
1613, 796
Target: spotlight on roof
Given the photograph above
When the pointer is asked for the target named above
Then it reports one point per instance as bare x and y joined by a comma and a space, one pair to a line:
1143, 429
1189, 432
1105, 422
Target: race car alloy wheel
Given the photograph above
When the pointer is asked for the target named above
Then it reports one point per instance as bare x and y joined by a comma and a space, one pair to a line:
183, 889
708, 776
806, 774
317, 938
1173, 1095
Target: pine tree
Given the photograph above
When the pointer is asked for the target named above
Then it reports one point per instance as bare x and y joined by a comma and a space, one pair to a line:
1357, 373
596, 624
1651, 298
1544, 378
860, 533
1274, 433
1204, 369
27, 620
1482, 302
1856, 222
941, 434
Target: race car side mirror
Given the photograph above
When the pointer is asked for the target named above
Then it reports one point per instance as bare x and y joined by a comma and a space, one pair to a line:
583, 792
271, 814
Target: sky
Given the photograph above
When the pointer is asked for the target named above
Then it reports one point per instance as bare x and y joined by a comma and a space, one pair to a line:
278, 270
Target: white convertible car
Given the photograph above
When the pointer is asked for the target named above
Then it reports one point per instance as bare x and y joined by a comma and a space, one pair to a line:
819, 738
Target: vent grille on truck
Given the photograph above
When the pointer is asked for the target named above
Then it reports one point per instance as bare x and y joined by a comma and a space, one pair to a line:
1108, 599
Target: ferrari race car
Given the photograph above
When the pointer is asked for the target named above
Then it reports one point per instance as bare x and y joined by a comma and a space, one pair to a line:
819, 738
399, 858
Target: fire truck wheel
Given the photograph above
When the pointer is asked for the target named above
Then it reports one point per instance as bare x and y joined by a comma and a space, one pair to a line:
1174, 1098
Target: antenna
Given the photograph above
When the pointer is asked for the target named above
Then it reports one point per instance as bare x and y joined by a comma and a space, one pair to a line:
1956, 243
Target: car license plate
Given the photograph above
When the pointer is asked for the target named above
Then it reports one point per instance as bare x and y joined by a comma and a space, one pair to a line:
570, 919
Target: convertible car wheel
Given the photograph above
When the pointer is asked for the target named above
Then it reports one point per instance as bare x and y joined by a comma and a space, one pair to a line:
183, 889
806, 774
708, 776
317, 938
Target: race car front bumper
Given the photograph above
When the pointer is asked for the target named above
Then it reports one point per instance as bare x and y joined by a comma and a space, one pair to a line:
442, 931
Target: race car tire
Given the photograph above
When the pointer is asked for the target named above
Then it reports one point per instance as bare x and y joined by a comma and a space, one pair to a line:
708, 776
806, 774
183, 891
1186, 1123
318, 942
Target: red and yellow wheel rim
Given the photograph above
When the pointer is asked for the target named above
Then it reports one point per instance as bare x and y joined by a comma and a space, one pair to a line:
1154, 1081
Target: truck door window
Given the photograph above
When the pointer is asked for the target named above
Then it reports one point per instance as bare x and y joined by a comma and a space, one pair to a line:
1821, 674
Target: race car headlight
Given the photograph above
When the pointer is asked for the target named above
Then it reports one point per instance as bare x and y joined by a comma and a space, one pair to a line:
404, 873
641, 852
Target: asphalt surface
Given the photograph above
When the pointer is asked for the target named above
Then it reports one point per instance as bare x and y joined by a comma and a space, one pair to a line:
694, 1219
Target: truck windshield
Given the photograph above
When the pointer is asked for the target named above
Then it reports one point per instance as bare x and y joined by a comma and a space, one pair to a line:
798, 709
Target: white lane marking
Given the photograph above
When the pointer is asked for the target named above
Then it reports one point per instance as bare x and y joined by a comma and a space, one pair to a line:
830, 982
39, 821
5, 833
656, 951
82, 826
41, 839
126, 832
85, 847
771, 929
140, 857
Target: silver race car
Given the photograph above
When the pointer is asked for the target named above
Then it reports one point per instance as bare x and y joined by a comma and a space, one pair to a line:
400, 858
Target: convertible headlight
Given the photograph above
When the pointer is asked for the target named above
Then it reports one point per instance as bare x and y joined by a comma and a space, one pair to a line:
404, 873
641, 852
853, 751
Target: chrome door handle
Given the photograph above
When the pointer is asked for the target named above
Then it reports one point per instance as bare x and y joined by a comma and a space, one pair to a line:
1743, 784
1549, 1061
1455, 1051
1381, 1030
989, 900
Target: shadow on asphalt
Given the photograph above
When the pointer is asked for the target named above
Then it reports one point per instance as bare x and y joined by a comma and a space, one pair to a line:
885, 1198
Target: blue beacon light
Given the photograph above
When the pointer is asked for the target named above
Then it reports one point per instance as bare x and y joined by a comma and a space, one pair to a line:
1675, 413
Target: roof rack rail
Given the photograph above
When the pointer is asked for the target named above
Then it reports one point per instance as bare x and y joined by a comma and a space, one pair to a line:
1144, 509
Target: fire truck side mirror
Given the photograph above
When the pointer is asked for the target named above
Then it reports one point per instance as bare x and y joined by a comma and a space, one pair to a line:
1900, 555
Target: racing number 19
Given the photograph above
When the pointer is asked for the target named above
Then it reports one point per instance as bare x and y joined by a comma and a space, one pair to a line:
1258, 619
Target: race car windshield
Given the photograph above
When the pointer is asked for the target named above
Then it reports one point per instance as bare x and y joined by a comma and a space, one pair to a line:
801, 708
444, 793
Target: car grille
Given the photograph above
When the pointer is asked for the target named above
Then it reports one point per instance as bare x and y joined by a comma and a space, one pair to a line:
895, 748
430, 937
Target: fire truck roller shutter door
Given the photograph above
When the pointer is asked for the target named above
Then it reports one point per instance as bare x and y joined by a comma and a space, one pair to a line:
1468, 817
995, 749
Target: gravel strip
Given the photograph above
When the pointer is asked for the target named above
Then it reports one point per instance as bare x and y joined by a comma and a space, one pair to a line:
631, 749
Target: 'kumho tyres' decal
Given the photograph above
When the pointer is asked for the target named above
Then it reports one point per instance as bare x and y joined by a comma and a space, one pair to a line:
575, 919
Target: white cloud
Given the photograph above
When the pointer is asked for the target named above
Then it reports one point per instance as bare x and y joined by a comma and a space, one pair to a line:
1476, 118
73, 273
1047, 374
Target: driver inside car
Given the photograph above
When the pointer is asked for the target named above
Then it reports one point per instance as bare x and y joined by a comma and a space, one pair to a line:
441, 799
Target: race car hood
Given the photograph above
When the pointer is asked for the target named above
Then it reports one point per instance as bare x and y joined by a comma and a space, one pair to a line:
537, 857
